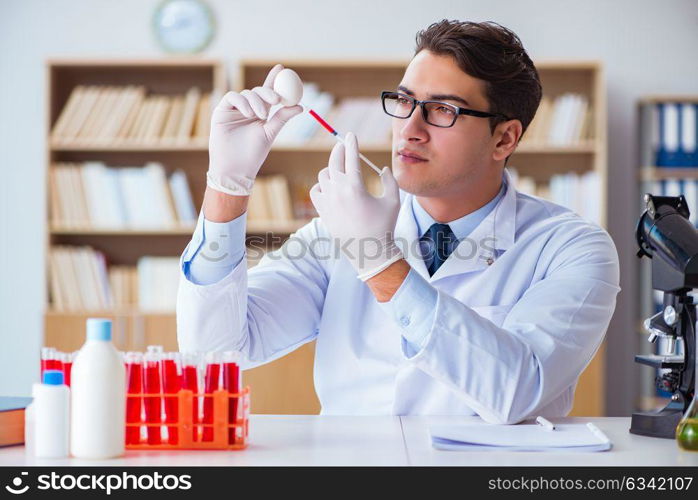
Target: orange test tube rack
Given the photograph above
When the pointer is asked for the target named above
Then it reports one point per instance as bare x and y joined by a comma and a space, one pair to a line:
190, 433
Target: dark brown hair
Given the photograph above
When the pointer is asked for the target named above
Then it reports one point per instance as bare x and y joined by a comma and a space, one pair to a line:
493, 53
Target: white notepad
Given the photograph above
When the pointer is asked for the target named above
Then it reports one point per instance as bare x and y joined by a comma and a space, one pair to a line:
522, 437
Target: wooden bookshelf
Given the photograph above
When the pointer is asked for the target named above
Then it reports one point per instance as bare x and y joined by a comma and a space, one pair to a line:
133, 329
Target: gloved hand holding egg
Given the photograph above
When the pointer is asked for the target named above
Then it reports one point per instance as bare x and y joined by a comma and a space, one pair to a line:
242, 131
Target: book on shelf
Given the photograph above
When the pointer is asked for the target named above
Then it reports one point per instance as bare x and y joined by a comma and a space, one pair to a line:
99, 115
186, 123
578, 192
270, 200
158, 280
123, 282
669, 134
563, 121
80, 280
94, 196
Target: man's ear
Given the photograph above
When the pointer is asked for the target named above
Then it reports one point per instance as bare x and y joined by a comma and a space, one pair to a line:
506, 135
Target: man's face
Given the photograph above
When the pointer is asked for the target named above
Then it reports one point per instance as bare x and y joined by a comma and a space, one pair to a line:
433, 161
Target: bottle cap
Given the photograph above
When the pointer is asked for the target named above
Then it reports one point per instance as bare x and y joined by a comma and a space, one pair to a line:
53, 377
98, 329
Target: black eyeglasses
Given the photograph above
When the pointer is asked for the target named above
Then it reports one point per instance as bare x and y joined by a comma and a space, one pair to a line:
439, 114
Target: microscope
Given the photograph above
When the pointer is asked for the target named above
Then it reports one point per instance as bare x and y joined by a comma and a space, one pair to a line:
665, 235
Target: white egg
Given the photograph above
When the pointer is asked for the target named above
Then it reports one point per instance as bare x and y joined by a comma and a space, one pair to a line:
289, 87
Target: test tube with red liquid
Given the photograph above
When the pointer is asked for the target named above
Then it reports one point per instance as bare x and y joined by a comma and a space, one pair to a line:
66, 359
212, 383
171, 384
134, 385
190, 381
231, 383
50, 360
152, 387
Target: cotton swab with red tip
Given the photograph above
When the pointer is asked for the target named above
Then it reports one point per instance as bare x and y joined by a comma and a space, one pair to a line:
332, 131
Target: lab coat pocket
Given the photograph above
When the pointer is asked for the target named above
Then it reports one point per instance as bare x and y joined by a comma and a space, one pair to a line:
496, 314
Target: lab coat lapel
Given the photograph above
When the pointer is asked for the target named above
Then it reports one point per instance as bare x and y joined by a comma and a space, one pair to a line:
407, 237
482, 247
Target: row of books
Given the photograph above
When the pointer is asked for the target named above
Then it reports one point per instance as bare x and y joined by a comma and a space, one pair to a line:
94, 196
565, 120
363, 116
112, 116
270, 200
579, 193
81, 281
670, 134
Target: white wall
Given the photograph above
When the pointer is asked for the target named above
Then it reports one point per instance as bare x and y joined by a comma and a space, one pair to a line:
647, 46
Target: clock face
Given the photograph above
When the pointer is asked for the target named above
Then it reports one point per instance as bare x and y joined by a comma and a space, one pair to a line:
183, 26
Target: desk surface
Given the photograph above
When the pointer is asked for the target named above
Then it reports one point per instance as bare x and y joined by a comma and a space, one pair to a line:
368, 441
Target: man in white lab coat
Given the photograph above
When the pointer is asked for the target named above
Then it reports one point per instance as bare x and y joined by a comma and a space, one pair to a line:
452, 294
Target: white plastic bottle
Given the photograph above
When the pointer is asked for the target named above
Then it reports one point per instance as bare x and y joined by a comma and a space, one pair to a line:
51, 413
98, 388
29, 428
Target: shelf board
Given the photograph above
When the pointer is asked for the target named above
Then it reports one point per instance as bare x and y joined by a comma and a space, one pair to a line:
586, 147
653, 99
130, 148
121, 311
327, 63
661, 173
176, 62
180, 231
253, 227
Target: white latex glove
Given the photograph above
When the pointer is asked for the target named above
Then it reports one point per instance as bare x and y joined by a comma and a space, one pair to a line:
361, 224
242, 134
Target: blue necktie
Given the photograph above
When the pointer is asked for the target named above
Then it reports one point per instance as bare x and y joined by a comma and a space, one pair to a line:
437, 244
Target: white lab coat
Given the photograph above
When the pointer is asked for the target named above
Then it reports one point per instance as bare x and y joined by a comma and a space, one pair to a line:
513, 329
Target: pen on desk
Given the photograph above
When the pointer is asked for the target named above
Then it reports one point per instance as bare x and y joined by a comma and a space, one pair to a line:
598, 432
547, 424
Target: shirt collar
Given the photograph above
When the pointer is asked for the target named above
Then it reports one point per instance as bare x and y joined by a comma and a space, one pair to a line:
463, 226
